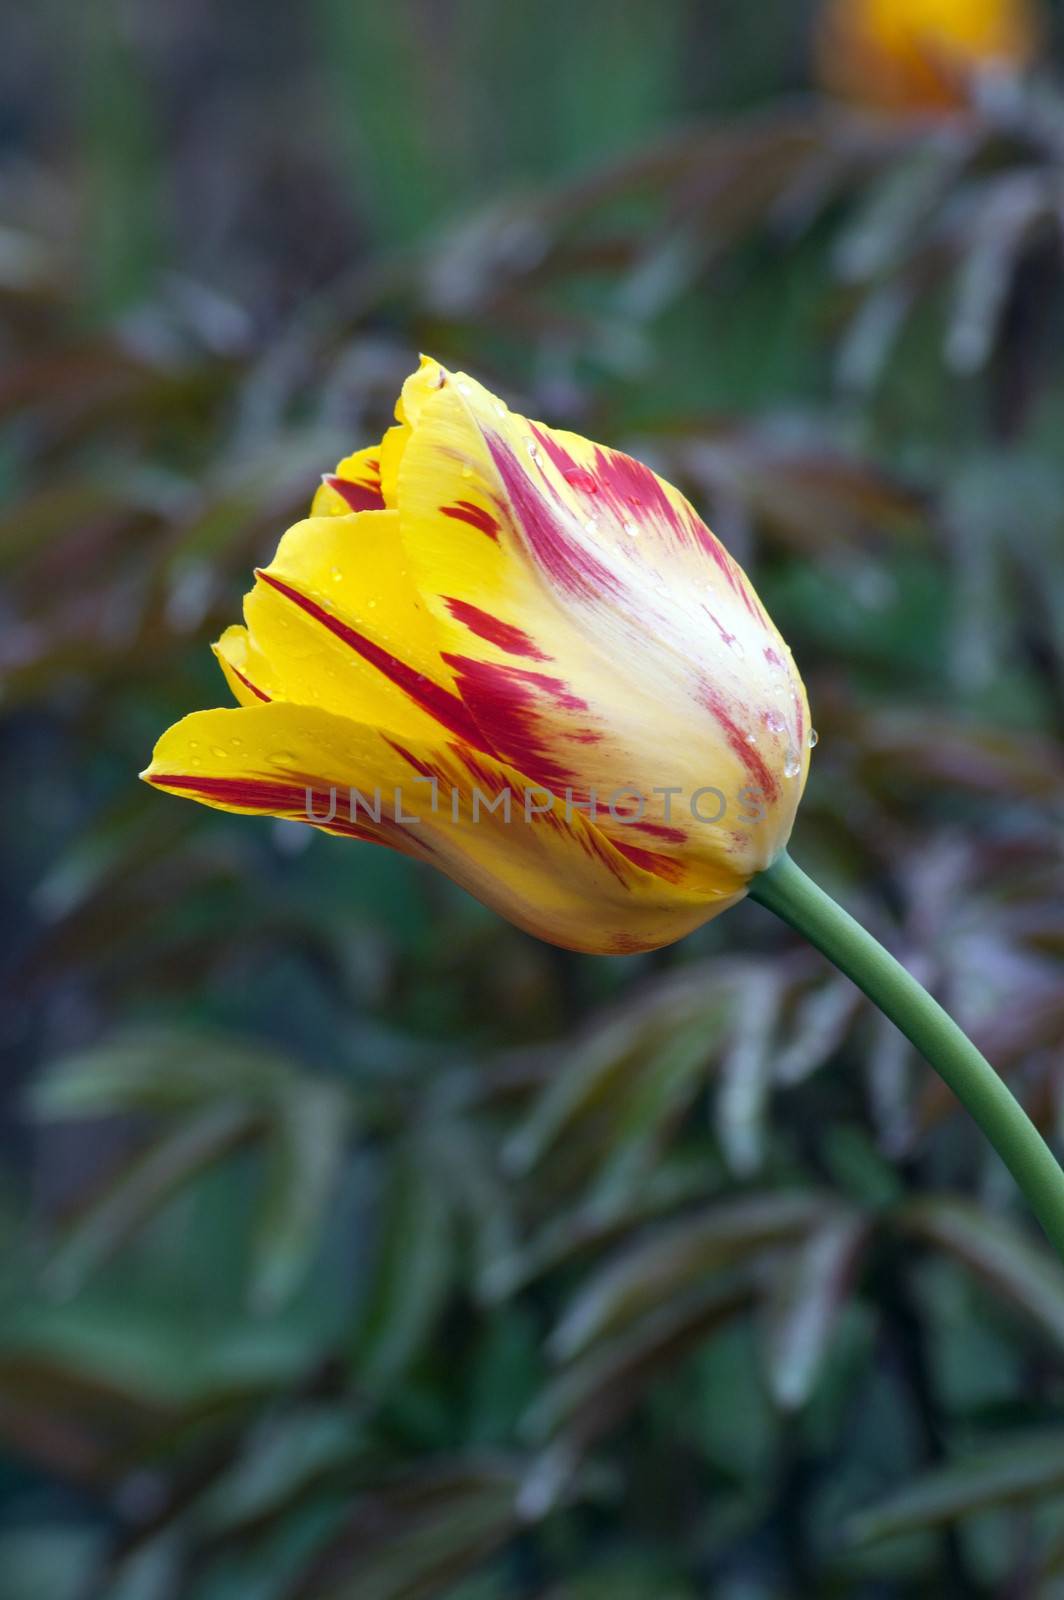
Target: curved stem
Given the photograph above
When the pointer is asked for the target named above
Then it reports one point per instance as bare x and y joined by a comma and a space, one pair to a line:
785, 889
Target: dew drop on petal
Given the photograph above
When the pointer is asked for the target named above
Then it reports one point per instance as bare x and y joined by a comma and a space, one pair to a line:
580, 478
773, 722
630, 529
280, 756
792, 766
217, 750
813, 739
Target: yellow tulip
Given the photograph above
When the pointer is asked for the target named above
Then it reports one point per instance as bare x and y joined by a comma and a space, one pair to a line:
522, 658
918, 54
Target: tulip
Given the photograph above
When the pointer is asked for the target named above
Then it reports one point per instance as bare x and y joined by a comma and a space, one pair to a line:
918, 54
531, 664
524, 659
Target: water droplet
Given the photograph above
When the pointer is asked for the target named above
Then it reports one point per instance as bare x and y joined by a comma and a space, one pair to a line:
236, 743
193, 744
814, 739
630, 529
337, 575
773, 722
217, 750
580, 478
533, 452
751, 738
282, 757
372, 604
792, 766
467, 472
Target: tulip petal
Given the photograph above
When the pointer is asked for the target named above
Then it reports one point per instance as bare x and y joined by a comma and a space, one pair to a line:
552, 874
338, 620
597, 630
354, 486
247, 671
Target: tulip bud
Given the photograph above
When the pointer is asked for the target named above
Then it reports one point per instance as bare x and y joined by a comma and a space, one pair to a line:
519, 657
919, 54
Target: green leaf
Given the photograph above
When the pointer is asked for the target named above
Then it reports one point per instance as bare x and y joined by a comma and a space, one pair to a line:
746, 1070
305, 1150
282, 1458
674, 1259
159, 1070
609, 1379
1019, 1270
410, 1278
1026, 1469
409, 1539
805, 1300
602, 1221
631, 1074
141, 1187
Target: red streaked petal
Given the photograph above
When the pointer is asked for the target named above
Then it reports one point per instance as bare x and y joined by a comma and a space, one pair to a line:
475, 516
515, 641
359, 496
439, 702
546, 869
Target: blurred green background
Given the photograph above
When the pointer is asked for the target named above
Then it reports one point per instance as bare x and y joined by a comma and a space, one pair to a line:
356, 1246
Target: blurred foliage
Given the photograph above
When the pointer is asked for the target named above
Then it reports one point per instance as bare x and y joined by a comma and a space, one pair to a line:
357, 1247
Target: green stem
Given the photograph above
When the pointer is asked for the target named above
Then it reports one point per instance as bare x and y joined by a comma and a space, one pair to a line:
785, 889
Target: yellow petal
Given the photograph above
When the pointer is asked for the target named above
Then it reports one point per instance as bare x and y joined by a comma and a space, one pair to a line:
354, 486
247, 671
336, 616
392, 446
553, 875
599, 633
